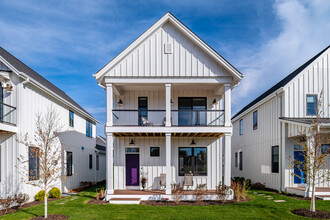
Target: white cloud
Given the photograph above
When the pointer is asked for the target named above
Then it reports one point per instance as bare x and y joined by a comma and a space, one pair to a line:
305, 30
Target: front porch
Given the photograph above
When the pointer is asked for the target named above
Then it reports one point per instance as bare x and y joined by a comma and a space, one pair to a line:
320, 192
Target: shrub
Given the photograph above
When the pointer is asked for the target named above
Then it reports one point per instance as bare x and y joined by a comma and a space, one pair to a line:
7, 202
199, 192
223, 192
248, 183
40, 196
177, 193
55, 193
258, 186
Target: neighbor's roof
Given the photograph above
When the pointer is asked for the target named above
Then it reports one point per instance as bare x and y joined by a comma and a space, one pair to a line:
280, 84
169, 17
307, 121
21, 67
100, 143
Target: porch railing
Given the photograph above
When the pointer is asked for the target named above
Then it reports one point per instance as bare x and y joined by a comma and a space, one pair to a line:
125, 117
7, 114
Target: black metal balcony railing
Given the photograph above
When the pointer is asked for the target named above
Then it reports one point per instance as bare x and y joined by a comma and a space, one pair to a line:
125, 117
7, 114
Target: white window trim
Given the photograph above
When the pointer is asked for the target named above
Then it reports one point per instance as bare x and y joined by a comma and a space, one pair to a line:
305, 104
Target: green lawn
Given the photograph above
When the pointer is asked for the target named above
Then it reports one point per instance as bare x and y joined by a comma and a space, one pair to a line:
259, 207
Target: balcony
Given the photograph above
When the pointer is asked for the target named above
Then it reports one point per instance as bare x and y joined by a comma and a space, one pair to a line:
7, 118
179, 118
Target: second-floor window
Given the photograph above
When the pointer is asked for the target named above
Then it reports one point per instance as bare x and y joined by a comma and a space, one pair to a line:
89, 128
255, 120
143, 110
241, 127
311, 105
71, 118
192, 110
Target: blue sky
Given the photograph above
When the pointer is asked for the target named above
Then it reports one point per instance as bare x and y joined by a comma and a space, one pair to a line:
68, 41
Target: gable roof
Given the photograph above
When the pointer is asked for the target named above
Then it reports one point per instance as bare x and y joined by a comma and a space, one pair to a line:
21, 67
168, 17
281, 83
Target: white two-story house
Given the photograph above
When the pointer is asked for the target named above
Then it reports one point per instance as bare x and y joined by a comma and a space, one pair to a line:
168, 111
264, 146
24, 94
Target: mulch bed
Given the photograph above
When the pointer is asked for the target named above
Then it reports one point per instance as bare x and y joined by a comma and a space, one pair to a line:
317, 214
97, 202
26, 205
52, 217
188, 203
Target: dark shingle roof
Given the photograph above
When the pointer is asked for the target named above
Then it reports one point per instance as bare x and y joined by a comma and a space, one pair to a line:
20, 66
280, 84
100, 143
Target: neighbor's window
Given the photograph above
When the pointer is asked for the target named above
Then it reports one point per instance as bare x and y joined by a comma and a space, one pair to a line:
255, 120
90, 161
325, 149
236, 159
71, 118
241, 127
241, 160
69, 163
194, 160
89, 128
275, 159
311, 101
33, 163
97, 162
154, 151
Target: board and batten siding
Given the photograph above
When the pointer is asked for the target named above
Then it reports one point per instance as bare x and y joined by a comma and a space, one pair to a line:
256, 144
312, 80
149, 59
154, 166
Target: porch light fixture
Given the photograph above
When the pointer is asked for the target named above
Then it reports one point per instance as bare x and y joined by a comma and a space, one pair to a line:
214, 101
120, 102
132, 142
192, 142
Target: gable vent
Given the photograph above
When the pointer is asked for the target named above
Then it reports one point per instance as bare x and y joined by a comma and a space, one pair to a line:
168, 48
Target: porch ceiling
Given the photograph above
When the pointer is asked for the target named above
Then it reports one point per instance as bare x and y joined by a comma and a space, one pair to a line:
148, 134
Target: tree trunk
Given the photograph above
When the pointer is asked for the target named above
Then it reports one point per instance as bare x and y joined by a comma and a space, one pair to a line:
45, 205
312, 208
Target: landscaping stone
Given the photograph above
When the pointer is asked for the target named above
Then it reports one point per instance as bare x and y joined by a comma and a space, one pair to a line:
279, 201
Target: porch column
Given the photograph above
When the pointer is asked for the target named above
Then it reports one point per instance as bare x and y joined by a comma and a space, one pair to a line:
227, 168
109, 164
227, 105
168, 164
168, 104
109, 89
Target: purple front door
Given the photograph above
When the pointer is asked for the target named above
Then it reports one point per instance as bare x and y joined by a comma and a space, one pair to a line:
132, 169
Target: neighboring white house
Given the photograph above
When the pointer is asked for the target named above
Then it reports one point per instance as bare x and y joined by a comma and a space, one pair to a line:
263, 130
168, 110
24, 94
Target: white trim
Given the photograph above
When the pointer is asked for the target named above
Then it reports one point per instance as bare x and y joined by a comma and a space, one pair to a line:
10, 128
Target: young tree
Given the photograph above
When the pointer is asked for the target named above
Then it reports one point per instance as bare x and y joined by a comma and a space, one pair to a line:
314, 165
45, 151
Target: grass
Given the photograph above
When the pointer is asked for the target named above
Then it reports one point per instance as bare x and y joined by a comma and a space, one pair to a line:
259, 207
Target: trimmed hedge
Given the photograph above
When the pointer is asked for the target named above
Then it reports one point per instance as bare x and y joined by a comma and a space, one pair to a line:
55, 193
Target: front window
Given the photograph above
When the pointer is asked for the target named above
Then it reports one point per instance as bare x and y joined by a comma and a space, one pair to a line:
69, 163
154, 151
255, 120
33, 163
193, 160
241, 127
71, 118
89, 128
275, 159
325, 149
311, 101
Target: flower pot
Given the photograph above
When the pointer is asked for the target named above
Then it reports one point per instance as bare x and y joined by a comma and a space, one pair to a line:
143, 185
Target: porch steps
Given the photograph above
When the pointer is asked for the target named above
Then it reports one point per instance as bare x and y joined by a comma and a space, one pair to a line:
125, 200
324, 197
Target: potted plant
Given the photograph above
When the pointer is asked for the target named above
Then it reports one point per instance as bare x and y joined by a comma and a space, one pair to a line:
143, 179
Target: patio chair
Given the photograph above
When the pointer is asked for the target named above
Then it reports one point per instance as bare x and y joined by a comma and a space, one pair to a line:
145, 121
188, 180
162, 180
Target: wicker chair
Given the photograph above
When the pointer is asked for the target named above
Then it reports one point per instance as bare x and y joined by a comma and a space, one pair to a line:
188, 180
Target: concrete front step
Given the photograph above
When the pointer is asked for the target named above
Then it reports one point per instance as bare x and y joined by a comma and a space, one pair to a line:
125, 200
324, 197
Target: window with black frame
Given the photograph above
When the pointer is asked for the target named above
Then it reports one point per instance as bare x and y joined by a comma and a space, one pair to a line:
71, 118
69, 161
33, 163
275, 159
192, 111
311, 104
143, 109
240, 160
193, 160
154, 152
90, 161
255, 120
